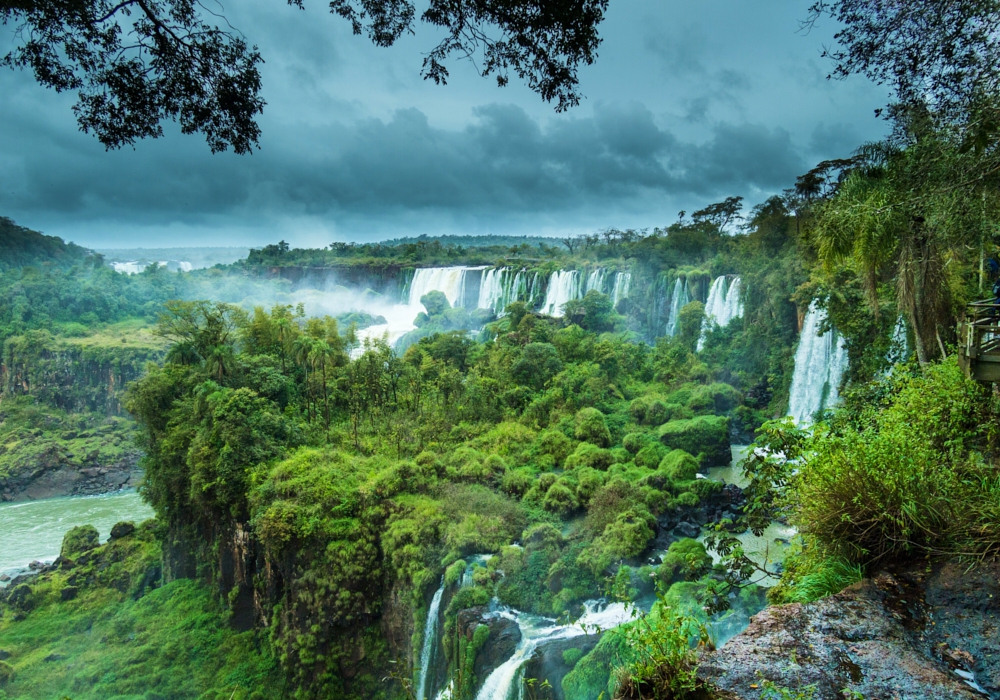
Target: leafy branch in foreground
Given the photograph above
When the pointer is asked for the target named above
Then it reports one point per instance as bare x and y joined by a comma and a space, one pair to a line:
770, 467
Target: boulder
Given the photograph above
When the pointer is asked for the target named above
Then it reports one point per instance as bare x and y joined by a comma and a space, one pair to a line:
687, 530
78, 540
123, 529
923, 632
69, 592
504, 635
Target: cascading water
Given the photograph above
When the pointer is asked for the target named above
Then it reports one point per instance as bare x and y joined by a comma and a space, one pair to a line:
536, 631
722, 306
564, 286
430, 640
448, 280
595, 280
621, 287
820, 362
502, 286
678, 300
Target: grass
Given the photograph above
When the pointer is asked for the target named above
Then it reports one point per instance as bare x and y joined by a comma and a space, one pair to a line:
134, 333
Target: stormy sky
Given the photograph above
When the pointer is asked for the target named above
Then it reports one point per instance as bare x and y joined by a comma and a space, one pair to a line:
688, 103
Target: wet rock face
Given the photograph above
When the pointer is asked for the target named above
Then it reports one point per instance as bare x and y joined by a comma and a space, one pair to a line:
503, 638
920, 633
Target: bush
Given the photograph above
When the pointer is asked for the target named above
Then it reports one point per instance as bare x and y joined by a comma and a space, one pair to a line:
453, 574
910, 479
679, 465
588, 455
591, 427
633, 442
516, 482
703, 435
713, 398
572, 656
686, 559
78, 540
555, 444
650, 456
560, 499
588, 481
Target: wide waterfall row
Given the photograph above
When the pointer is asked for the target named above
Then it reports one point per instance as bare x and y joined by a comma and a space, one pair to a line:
501, 286
723, 305
820, 362
567, 285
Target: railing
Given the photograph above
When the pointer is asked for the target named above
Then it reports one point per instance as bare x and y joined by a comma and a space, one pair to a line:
979, 341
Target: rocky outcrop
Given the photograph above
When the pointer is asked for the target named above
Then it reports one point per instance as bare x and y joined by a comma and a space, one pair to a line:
54, 474
921, 632
498, 647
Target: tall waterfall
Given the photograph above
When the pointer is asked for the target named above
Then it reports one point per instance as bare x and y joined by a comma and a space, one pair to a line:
448, 280
723, 306
502, 286
678, 300
430, 640
620, 289
564, 286
536, 631
820, 362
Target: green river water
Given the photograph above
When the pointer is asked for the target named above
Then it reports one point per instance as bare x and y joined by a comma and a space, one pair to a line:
33, 530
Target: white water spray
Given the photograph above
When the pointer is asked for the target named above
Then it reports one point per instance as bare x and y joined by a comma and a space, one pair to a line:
820, 362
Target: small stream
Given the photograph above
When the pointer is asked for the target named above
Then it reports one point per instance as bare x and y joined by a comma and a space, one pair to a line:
33, 530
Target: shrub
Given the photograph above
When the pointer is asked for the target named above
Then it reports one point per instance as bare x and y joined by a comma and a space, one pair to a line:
572, 656
516, 482
560, 499
453, 574
713, 398
591, 427
910, 479
554, 443
78, 540
588, 455
588, 481
679, 465
650, 456
686, 559
633, 442
625, 536
703, 435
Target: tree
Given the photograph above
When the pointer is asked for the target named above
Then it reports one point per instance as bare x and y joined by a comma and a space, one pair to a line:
138, 63
940, 53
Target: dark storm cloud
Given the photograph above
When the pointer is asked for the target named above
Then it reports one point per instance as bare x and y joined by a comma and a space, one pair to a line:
688, 104
503, 159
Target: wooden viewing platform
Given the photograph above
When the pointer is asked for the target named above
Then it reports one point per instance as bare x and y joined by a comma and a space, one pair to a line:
979, 341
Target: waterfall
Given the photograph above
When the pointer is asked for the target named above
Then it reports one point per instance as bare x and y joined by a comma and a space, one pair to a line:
678, 300
595, 280
536, 631
723, 306
820, 362
564, 286
620, 289
899, 347
430, 639
449, 280
501, 286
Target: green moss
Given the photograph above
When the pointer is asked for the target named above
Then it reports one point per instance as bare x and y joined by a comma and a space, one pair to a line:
592, 427
572, 656
78, 540
678, 465
589, 455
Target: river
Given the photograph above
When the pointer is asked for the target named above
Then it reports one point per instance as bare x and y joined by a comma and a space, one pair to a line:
33, 530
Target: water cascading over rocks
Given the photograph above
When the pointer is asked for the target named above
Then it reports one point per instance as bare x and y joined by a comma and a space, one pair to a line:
820, 362
679, 298
430, 645
723, 305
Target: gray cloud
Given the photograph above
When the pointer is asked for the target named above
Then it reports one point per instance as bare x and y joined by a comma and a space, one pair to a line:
686, 105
